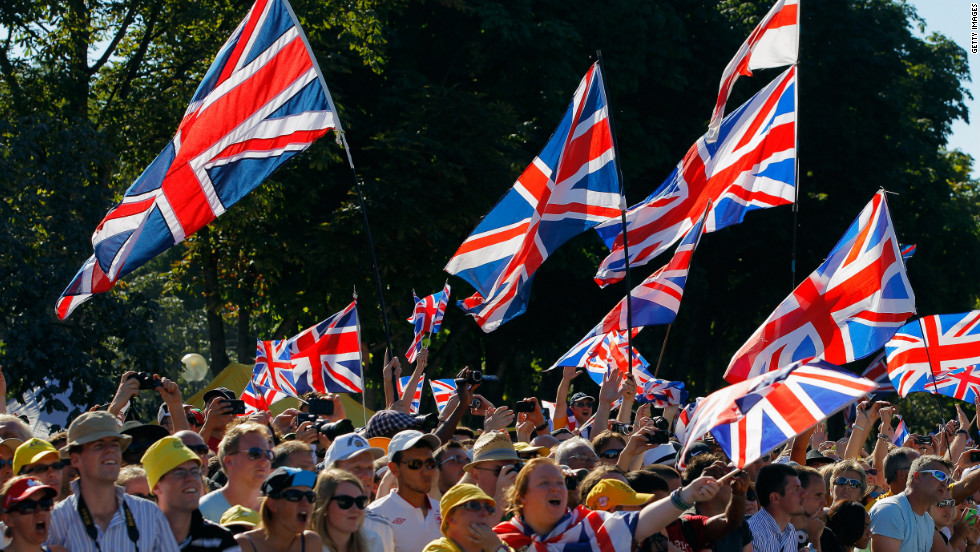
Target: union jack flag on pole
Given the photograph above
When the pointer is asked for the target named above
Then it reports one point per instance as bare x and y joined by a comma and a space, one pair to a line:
847, 309
901, 433
774, 42
417, 398
751, 166
442, 391
571, 186
753, 417
273, 367
612, 353
258, 397
933, 345
327, 357
262, 101
427, 318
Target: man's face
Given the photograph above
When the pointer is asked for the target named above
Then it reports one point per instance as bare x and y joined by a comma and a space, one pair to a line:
580, 457
485, 474
451, 467
361, 466
793, 501
929, 485
180, 488
7, 471
303, 460
816, 496
47, 470
419, 479
582, 409
99, 460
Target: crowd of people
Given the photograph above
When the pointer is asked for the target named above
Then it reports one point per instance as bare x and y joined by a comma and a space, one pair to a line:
592, 477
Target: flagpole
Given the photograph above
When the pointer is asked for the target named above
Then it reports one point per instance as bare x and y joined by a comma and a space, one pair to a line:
935, 387
796, 147
662, 349
622, 211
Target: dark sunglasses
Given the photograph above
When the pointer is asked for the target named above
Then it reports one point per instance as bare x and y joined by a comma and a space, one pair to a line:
256, 453
610, 454
42, 468
848, 482
199, 450
496, 471
344, 502
5, 463
588, 404
30, 506
416, 464
295, 495
477, 506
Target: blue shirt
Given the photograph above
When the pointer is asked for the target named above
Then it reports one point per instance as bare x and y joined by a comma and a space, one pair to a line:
766, 536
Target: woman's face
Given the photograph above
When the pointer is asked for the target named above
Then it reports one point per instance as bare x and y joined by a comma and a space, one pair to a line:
546, 498
609, 453
29, 528
866, 536
847, 490
345, 520
942, 512
292, 515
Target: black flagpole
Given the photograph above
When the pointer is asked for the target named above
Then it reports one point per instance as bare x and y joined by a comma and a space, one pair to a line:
935, 387
622, 211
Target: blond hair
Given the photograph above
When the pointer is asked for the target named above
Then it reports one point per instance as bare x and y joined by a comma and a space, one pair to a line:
229, 443
326, 486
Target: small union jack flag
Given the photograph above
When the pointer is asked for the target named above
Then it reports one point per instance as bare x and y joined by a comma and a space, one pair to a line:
427, 318
901, 433
845, 310
442, 391
258, 397
752, 417
961, 383
933, 345
273, 367
877, 372
662, 393
417, 399
327, 357
907, 251
684, 417
262, 101
570, 187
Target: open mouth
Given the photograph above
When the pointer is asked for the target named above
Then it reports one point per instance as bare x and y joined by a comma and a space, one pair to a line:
303, 516
554, 501
41, 527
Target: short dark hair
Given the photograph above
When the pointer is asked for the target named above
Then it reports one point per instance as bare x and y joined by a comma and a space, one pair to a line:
898, 459
806, 474
283, 451
846, 520
695, 468
773, 478
450, 444
463, 430
646, 481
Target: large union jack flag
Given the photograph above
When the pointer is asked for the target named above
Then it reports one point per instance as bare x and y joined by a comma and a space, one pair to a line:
417, 397
751, 166
273, 367
935, 344
753, 417
327, 357
262, 101
427, 318
846, 310
773, 43
570, 187
442, 391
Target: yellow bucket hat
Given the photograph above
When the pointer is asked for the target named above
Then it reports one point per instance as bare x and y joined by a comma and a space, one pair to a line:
165, 455
610, 493
33, 450
458, 494
240, 515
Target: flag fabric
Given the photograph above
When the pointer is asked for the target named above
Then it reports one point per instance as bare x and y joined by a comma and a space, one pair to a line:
658, 299
907, 251
877, 372
774, 42
571, 186
273, 367
662, 393
427, 318
752, 417
582, 351
951, 341
959, 383
258, 397
684, 417
442, 391
901, 433
327, 357
751, 166
549, 409
262, 101
611, 353
845, 310
417, 398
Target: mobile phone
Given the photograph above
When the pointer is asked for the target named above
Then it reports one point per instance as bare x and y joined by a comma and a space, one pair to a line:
320, 407
303, 417
524, 406
971, 516
237, 406
923, 440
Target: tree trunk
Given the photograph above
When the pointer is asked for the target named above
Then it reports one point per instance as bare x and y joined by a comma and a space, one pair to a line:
246, 342
212, 304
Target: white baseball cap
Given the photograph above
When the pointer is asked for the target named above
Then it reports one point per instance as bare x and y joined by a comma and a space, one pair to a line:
407, 439
345, 447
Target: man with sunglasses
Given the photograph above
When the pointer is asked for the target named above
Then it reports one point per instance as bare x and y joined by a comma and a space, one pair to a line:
173, 473
494, 467
245, 454
40, 460
901, 523
413, 514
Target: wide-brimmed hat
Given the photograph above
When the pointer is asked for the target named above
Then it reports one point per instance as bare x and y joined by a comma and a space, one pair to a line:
492, 445
92, 426
33, 450
458, 494
610, 493
165, 455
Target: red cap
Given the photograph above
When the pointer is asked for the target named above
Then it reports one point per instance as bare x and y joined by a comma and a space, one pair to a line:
24, 489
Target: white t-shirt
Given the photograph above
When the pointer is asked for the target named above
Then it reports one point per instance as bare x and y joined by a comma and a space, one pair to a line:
412, 531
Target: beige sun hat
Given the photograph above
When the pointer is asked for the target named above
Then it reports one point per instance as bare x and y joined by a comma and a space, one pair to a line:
92, 426
492, 445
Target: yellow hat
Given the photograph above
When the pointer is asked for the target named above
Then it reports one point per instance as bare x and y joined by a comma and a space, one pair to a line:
458, 494
610, 493
240, 515
33, 450
527, 447
165, 455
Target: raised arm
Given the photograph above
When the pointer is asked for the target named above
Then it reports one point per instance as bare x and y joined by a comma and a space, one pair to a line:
661, 513
568, 373
608, 393
625, 414
723, 524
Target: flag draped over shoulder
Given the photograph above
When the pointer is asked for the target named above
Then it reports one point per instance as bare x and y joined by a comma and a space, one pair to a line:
327, 357
571, 186
845, 310
751, 166
774, 42
949, 342
427, 318
262, 101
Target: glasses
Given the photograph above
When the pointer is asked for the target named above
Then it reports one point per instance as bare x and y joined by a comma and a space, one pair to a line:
416, 464
30, 506
872, 472
344, 502
477, 506
456, 459
876, 493
940, 476
256, 453
843, 481
42, 468
611, 454
199, 450
295, 495
948, 503
181, 473
6, 463
583, 404
496, 471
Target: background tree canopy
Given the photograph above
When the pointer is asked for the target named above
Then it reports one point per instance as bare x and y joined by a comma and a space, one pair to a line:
445, 102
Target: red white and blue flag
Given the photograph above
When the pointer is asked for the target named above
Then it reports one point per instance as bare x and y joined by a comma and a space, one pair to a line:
847, 309
658, 299
427, 318
901, 433
570, 187
262, 101
949, 342
611, 353
684, 417
273, 367
258, 397
442, 391
662, 393
907, 251
417, 398
773, 43
877, 372
960, 383
751, 166
327, 357
753, 417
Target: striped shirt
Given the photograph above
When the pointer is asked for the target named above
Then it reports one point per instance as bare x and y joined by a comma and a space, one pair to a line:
68, 530
766, 536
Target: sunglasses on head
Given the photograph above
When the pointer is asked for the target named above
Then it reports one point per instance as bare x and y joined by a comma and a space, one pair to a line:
940, 476
295, 495
42, 468
30, 506
456, 459
257, 453
848, 482
416, 464
610, 454
948, 503
477, 506
344, 502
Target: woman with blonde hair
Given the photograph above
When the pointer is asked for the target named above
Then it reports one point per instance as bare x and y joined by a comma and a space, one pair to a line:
284, 514
338, 513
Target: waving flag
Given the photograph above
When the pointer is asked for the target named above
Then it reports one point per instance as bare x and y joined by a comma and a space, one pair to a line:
611, 352
327, 357
258, 397
548, 409
684, 417
751, 166
662, 393
273, 367
658, 299
877, 372
951, 341
774, 42
901, 433
262, 101
846, 310
417, 398
907, 251
570, 187
442, 391
753, 417
427, 318
960, 383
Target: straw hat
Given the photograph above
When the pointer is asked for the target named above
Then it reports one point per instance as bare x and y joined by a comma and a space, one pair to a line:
492, 445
